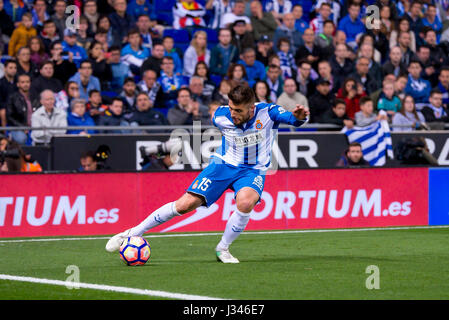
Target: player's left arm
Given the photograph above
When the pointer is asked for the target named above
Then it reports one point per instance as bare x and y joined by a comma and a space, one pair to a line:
297, 117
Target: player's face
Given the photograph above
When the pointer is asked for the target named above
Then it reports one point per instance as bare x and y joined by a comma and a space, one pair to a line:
241, 114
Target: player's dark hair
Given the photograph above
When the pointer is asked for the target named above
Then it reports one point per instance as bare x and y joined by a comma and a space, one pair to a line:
242, 94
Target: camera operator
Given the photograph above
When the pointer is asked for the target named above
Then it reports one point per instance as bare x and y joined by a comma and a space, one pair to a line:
14, 159
158, 157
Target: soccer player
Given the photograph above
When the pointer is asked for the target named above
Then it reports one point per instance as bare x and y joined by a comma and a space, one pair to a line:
239, 163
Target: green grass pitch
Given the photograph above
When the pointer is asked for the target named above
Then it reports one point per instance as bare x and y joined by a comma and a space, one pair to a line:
412, 264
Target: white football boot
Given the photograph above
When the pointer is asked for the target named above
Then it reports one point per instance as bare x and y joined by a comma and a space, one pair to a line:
223, 255
116, 241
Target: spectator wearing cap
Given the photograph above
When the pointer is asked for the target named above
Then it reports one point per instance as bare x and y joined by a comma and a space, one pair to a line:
287, 30
188, 14
85, 80
241, 37
255, 70
321, 101
264, 49
121, 21
238, 13
69, 45
263, 23
351, 24
223, 54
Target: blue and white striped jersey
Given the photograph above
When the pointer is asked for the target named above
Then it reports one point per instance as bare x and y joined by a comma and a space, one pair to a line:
249, 145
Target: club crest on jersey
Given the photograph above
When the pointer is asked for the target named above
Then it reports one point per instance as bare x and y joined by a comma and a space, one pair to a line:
259, 125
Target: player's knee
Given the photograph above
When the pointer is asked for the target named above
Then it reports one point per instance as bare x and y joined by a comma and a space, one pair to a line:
187, 203
245, 205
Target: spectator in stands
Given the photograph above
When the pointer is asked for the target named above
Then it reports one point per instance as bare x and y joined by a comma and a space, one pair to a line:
79, 117
64, 98
443, 84
170, 50
133, 53
37, 48
287, 60
429, 64
321, 101
325, 40
7, 87
274, 81
262, 91
361, 75
15, 10
375, 71
287, 30
388, 101
366, 115
350, 93
432, 20
85, 80
279, 8
83, 38
264, 49
202, 71
436, 52
435, 111
417, 87
69, 45
309, 51
114, 116
120, 71
155, 60
112, 35
237, 14
262, 22
95, 107
24, 64
49, 34
408, 118
241, 37
170, 82
223, 54
301, 23
399, 86
187, 111
47, 116
129, 93
415, 20
221, 95
19, 109
196, 86
145, 114
325, 72
121, 21
404, 43
290, 98
236, 74
255, 70
64, 67
21, 35
189, 15
143, 26
351, 24
402, 25
88, 162
394, 64
306, 86
91, 13
100, 66
324, 13
353, 157
151, 87
337, 115
45, 81
59, 17
218, 8
196, 52
341, 65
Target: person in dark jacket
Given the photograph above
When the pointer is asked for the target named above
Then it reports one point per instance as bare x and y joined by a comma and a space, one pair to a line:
337, 115
187, 111
353, 157
45, 81
114, 116
321, 101
145, 115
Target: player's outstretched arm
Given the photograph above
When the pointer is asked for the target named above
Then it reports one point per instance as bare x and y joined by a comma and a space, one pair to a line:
296, 118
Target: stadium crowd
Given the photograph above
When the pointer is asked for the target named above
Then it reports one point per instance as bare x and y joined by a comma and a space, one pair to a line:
166, 62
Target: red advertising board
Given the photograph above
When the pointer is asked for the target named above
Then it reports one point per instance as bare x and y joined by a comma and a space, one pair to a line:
106, 203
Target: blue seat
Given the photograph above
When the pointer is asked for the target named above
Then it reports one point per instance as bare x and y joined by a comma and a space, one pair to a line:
165, 18
110, 94
179, 36
216, 79
164, 5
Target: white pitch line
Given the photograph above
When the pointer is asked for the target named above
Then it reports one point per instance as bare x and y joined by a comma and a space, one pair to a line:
70, 284
220, 233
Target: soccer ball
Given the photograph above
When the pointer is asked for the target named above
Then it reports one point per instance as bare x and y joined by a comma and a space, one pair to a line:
135, 251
